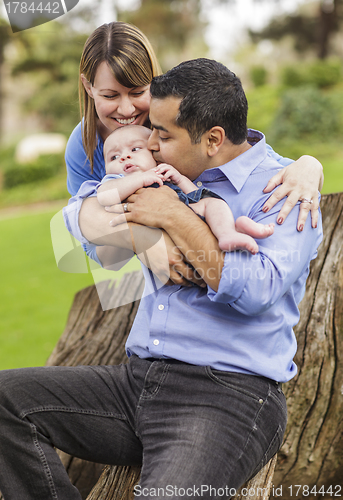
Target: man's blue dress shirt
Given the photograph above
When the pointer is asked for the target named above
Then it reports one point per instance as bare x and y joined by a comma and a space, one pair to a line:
247, 325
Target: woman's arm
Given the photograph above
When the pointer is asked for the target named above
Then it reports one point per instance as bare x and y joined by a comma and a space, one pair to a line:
300, 180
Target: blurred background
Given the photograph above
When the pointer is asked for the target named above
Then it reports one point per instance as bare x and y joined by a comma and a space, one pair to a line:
288, 54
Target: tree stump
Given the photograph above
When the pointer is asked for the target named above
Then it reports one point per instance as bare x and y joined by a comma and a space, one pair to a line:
311, 454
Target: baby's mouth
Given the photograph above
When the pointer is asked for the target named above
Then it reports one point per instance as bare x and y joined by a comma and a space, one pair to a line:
129, 167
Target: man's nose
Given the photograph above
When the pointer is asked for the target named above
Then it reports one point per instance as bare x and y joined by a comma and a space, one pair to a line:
125, 107
153, 143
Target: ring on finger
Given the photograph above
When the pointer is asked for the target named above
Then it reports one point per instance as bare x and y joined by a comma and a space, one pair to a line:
306, 200
125, 207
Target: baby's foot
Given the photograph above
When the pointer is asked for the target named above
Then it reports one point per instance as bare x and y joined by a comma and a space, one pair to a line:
254, 229
237, 241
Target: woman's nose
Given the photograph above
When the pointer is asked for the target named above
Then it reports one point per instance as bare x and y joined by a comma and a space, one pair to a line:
125, 107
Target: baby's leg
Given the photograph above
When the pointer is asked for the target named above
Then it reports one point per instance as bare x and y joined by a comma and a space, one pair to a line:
219, 217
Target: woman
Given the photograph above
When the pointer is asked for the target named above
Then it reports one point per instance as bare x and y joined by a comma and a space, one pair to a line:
117, 66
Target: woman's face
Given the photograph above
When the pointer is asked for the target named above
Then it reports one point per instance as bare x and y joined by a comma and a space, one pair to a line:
116, 105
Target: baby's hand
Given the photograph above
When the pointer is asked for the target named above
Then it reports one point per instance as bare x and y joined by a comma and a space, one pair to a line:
169, 173
151, 176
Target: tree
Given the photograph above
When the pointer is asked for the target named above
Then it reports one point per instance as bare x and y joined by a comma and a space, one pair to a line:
310, 32
173, 27
50, 61
4, 40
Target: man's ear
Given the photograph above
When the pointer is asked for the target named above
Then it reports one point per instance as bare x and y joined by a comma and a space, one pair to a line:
87, 85
215, 139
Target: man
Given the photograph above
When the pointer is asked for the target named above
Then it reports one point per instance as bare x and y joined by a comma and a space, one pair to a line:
200, 403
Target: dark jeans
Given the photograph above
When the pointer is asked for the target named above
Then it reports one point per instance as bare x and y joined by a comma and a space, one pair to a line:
194, 430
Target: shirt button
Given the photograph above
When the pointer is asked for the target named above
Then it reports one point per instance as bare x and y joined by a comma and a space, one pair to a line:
199, 184
260, 401
156, 342
161, 307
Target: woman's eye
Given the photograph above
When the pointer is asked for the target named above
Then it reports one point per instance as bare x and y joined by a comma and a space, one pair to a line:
138, 93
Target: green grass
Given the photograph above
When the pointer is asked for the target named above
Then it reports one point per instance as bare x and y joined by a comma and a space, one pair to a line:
35, 296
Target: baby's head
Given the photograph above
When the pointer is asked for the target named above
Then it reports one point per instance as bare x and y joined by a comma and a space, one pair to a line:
126, 150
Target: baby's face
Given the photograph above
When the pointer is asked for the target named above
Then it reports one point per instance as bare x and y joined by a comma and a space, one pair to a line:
126, 151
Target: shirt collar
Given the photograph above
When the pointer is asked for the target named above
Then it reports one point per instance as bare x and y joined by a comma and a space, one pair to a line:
238, 170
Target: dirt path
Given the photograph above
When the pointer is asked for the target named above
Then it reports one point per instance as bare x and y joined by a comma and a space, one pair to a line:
33, 208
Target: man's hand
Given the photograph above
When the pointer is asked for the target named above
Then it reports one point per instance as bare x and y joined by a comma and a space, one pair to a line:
161, 208
163, 257
301, 180
148, 207
153, 245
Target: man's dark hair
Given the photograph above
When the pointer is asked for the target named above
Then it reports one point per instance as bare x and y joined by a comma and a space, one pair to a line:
211, 95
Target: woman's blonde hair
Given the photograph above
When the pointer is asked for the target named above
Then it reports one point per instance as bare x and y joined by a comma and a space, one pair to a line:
132, 60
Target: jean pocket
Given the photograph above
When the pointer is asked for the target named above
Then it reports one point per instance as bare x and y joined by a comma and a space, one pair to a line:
241, 383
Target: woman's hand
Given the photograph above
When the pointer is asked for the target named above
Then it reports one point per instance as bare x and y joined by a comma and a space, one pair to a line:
300, 181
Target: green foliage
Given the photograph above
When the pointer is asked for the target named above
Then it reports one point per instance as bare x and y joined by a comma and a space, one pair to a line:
171, 27
44, 167
305, 111
50, 61
258, 75
320, 73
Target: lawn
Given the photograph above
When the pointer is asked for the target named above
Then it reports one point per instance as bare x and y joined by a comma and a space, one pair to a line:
35, 296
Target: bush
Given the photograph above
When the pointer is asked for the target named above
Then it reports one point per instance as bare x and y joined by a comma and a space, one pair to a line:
304, 112
317, 73
44, 167
324, 73
258, 75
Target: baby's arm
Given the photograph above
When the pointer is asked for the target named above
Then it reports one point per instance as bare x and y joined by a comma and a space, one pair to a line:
170, 173
116, 190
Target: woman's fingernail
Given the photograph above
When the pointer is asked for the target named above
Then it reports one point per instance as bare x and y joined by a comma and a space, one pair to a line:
280, 220
301, 227
265, 209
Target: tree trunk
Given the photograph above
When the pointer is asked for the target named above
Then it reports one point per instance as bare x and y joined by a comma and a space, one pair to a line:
328, 24
311, 455
312, 450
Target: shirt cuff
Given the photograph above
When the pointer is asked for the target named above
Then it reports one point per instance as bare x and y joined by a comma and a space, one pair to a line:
235, 273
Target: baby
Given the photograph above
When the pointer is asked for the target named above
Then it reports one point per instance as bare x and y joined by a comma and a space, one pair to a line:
131, 166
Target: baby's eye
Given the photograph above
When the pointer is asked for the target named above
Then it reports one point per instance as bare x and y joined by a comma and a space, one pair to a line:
114, 157
136, 149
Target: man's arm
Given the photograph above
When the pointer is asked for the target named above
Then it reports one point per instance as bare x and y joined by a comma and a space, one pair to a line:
161, 208
165, 260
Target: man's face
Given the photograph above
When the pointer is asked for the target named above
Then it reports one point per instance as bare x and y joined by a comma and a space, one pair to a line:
172, 144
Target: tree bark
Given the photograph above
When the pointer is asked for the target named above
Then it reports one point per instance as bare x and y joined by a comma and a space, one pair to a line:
311, 454
312, 450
